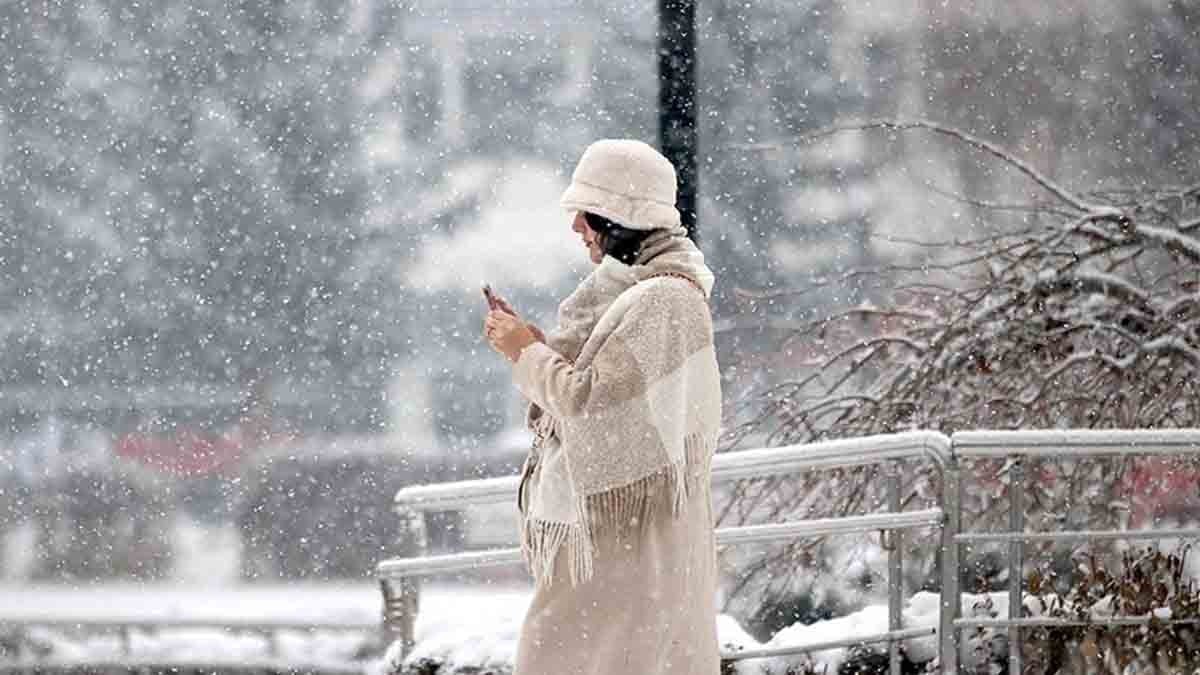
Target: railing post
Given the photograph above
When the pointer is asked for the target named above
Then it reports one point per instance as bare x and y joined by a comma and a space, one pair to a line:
272, 638
951, 599
895, 567
402, 601
1016, 524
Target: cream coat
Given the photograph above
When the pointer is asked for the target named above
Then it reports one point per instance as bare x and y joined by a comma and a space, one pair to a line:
644, 604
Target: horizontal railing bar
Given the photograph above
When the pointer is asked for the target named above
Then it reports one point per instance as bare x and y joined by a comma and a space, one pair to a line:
844, 453
445, 496
1077, 535
1036, 621
67, 621
1076, 443
727, 466
858, 452
819, 527
458, 562
398, 568
893, 636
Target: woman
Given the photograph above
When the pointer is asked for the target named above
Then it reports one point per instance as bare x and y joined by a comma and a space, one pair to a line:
625, 403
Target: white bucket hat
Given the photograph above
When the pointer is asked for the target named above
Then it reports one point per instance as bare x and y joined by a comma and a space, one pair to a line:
626, 181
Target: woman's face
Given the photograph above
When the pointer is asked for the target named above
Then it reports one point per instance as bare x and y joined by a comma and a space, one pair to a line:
590, 238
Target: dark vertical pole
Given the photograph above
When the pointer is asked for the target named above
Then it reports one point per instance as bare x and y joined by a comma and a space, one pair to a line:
677, 99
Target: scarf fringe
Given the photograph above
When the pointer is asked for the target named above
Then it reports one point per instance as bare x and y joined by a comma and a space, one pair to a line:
628, 508
541, 541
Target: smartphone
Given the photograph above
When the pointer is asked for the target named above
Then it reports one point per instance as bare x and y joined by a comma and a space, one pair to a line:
492, 301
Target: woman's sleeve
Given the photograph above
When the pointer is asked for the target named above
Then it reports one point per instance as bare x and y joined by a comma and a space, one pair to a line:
616, 375
557, 386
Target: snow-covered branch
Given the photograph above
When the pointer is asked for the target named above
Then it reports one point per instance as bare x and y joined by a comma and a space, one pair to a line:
1084, 317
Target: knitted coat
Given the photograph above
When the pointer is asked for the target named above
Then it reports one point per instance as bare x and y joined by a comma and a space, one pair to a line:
618, 524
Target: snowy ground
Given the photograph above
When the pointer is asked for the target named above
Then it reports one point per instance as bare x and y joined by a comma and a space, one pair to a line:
449, 639
468, 624
463, 624
446, 610
204, 587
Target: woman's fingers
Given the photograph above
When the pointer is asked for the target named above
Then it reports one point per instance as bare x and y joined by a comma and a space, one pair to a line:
501, 319
499, 324
503, 305
508, 334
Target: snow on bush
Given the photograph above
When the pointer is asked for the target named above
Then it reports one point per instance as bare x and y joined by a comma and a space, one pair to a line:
1146, 583
1063, 310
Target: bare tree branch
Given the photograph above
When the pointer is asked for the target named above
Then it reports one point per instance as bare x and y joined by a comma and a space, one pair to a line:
974, 141
984, 205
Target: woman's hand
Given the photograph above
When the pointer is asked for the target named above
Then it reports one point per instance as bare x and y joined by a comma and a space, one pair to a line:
503, 305
508, 334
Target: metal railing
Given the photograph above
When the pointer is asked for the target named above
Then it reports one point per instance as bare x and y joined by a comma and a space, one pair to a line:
1017, 448
399, 576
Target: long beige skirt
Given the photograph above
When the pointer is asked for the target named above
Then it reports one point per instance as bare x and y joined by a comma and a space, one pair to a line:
649, 609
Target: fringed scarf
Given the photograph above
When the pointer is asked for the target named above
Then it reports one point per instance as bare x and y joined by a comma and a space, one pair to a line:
626, 402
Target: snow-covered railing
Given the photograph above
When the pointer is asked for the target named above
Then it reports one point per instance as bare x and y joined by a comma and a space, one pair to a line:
726, 466
1017, 447
399, 576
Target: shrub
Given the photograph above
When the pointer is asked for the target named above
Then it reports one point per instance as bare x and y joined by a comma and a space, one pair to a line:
1148, 583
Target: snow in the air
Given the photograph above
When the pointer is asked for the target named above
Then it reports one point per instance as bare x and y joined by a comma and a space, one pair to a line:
242, 247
